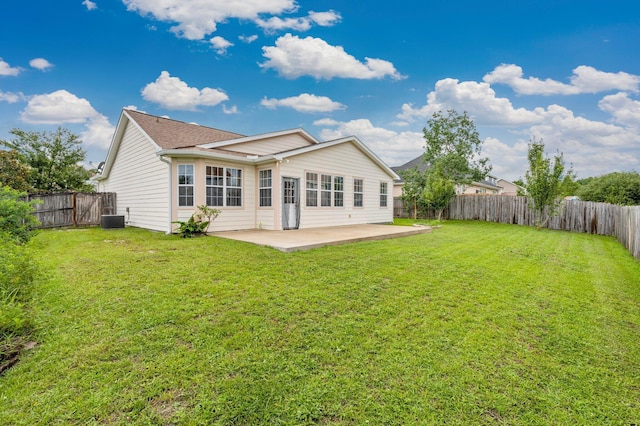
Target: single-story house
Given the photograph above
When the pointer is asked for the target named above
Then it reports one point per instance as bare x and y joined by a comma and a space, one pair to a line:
487, 186
162, 169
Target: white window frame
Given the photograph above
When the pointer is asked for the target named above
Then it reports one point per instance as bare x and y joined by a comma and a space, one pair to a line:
214, 183
338, 191
265, 188
311, 186
358, 192
186, 181
326, 185
384, 194
230, 185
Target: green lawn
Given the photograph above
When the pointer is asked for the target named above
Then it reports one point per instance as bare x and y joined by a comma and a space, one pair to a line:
476, 323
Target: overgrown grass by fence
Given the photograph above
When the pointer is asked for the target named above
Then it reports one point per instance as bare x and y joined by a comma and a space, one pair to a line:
574, 216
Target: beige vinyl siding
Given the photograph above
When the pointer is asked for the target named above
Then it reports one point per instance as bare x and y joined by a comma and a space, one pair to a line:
140, 180
266, 217
271, 145
348, 161
231, 218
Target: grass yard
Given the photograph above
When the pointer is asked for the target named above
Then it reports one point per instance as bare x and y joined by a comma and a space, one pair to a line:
476, 323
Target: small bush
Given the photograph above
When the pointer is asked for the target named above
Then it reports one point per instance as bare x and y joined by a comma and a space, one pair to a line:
16, 219
198, 223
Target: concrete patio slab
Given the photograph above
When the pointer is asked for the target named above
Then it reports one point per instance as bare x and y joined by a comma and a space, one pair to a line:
306, 239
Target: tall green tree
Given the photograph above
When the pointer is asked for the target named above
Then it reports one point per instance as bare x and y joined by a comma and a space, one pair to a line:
453, 143
543, 181
53, 158
621, 188
413, 188
13, 173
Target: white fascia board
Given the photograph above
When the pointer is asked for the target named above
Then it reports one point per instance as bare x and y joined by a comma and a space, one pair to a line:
259, 137
188, 153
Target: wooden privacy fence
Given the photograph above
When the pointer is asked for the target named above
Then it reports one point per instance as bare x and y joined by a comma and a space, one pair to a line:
575, 216
72, 208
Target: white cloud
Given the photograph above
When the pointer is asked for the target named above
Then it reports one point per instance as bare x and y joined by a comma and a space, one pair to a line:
195, 19
89, 4
294, 57
57, 107
592, 146
304, 102
40, 64
478, 99
585, 79
324, 19
173, 93
10, 97
99, 132
392, 147
8, 70
248, 39
231, 110
61, 107
220, 45
625, 111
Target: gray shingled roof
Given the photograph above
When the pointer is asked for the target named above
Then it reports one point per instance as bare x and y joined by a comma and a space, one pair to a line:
171, 134
416, 162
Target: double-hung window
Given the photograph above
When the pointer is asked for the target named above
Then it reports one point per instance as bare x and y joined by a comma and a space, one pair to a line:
383, 194
338, 191
185, 185
325, 191
223, 186
312, 190
215, 186
234, 187
358, 193
264, 184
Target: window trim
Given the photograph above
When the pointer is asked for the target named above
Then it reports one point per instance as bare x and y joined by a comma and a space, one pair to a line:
187, 185
311, 189
384, 195
261, 188
358, 195
226, 187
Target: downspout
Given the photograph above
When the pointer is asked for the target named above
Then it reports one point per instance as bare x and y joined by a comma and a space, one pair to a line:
170, 206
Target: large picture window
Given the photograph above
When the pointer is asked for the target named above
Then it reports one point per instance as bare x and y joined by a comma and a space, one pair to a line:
383, 194
185, 185
312, 190
223, 187
264, 183
358, 193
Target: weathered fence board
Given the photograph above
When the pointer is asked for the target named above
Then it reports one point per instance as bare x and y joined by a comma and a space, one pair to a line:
72, 208
574, 216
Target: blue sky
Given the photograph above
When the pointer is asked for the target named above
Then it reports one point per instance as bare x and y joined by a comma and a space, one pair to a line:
564, 71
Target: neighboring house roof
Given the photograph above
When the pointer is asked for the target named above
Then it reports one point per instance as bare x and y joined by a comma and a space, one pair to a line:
174, 138
422, 166
417, 163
